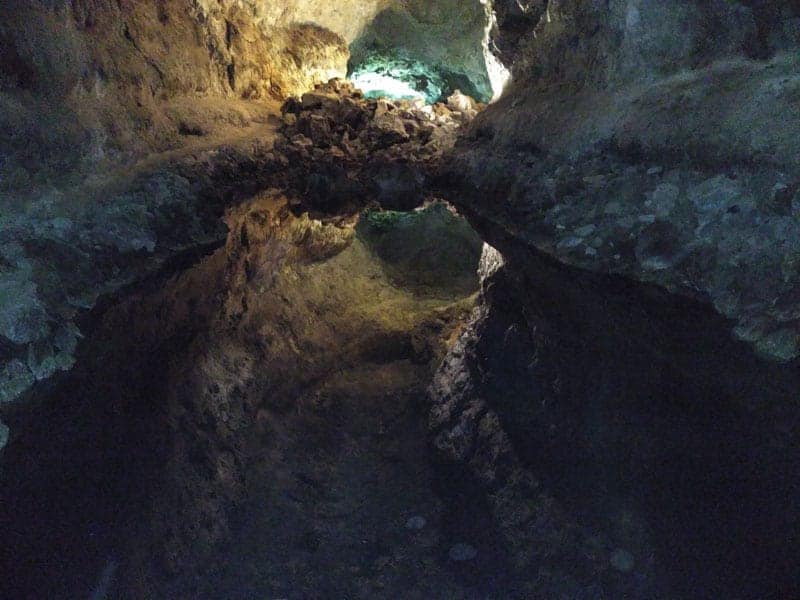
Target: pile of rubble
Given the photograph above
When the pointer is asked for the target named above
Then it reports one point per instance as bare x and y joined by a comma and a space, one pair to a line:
344, 149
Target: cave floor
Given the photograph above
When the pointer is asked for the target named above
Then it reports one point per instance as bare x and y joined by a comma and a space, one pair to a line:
333, 499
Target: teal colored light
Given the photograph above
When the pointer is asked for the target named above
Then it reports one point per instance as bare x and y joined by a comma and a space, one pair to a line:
397, 77
378, 85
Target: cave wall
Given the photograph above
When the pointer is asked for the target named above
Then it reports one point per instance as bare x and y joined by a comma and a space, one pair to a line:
123, 126
622, 420
640, 178
140, 455
65, 252
657, 141
97, 81
636, 356
91, 82
607, 43
447, 36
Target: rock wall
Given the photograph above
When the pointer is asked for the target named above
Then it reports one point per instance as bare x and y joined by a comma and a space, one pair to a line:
576, 43
447, 36
636, 358
624, 146
622, 421
640, 179
108, 78
64, 251
115, 120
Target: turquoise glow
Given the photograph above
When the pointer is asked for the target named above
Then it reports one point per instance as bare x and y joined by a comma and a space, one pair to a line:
377, 85
398, 76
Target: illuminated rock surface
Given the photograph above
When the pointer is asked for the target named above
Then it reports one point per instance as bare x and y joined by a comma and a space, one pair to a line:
241, 350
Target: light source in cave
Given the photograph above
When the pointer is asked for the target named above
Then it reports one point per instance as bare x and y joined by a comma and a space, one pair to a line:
376, 85
498, 74
398, 77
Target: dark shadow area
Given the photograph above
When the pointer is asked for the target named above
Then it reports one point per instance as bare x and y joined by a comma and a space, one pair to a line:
647, 420
772, 26
78, 468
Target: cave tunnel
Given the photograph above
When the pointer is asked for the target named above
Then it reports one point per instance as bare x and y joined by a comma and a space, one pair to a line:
399, 299
396, 54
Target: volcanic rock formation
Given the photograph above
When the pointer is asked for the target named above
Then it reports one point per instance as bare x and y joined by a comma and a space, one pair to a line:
264, 334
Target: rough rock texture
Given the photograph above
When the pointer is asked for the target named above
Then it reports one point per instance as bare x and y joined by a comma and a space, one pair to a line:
63, 250
192, 387
641, 186
128, 128
344, 150
89, 83
98, 82
515, 22
495, 389
92, 93
640, 181
623, 419
624, 148
446, 35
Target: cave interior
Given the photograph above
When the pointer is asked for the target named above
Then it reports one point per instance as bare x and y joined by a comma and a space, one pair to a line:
416, 299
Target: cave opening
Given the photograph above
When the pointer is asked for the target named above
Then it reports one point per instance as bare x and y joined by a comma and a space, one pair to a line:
399, 78
428, 52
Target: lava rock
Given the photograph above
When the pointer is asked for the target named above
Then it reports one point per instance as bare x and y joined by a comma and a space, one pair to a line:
391, 147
